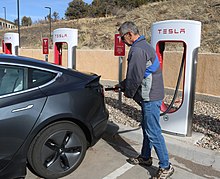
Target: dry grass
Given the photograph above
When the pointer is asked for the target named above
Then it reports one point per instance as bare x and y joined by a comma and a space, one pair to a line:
99, 32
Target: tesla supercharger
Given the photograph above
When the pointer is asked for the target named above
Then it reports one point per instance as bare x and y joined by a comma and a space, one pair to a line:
11, 43
188, 33
70, 37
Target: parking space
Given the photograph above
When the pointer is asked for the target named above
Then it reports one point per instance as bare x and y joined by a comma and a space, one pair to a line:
107, 160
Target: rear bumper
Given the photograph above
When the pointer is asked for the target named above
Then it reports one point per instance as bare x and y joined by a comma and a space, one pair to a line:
100, 127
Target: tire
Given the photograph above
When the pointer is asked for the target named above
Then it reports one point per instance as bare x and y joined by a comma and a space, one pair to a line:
57, 150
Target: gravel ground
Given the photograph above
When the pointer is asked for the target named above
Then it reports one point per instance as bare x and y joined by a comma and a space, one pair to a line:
206, 118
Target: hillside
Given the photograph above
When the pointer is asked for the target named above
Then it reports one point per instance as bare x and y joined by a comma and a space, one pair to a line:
99, 32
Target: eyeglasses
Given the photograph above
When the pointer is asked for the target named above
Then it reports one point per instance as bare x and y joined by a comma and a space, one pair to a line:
123, 37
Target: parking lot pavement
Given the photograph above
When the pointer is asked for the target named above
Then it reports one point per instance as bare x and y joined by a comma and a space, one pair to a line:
183, 147
107, 160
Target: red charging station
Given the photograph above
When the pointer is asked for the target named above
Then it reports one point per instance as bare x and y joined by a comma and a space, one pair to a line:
187, 33
11, 43
119, 46
65, 36
45, 47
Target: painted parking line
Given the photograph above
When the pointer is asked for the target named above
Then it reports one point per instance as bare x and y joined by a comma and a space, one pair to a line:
120, 171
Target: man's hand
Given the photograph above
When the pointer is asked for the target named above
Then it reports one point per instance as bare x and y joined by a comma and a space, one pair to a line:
117, 88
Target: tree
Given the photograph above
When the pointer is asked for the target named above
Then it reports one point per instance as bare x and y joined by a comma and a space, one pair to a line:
55, 16
16, 22
48, 17
77, 9
26, 21
101, 8
128, 4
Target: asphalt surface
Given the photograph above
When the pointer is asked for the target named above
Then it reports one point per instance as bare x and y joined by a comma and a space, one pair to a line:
107, 159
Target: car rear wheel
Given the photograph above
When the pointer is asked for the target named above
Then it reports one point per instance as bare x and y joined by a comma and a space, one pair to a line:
57, 150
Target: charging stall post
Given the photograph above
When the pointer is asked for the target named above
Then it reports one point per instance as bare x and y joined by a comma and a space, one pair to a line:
179, 120
65, 36
119, 50
11, 43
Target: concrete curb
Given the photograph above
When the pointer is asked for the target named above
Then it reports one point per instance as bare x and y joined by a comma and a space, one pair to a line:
183, 147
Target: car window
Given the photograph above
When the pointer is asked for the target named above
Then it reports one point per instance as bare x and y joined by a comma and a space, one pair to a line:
15, 79
11, 79
39, 77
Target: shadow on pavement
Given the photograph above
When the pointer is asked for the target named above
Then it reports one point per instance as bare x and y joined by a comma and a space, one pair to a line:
123, 145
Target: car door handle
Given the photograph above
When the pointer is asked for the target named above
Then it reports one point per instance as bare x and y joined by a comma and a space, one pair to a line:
22, 109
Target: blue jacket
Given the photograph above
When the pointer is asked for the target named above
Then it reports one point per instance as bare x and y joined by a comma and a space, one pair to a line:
144, 81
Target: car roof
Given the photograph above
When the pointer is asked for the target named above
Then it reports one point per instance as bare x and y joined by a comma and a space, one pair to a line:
27, 61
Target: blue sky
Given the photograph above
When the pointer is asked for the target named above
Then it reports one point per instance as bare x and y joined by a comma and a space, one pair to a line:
33, 8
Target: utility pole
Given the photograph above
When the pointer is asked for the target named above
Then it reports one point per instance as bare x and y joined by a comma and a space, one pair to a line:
5, 15
49, 19
18, 9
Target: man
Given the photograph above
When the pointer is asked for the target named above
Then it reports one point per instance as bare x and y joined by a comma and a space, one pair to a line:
144, 83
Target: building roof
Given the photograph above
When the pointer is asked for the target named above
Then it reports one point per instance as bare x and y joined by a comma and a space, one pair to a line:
7, 21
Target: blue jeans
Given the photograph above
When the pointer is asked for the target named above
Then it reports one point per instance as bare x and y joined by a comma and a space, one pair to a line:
152, 134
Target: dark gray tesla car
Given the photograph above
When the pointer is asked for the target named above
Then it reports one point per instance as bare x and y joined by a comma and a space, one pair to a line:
49, 116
